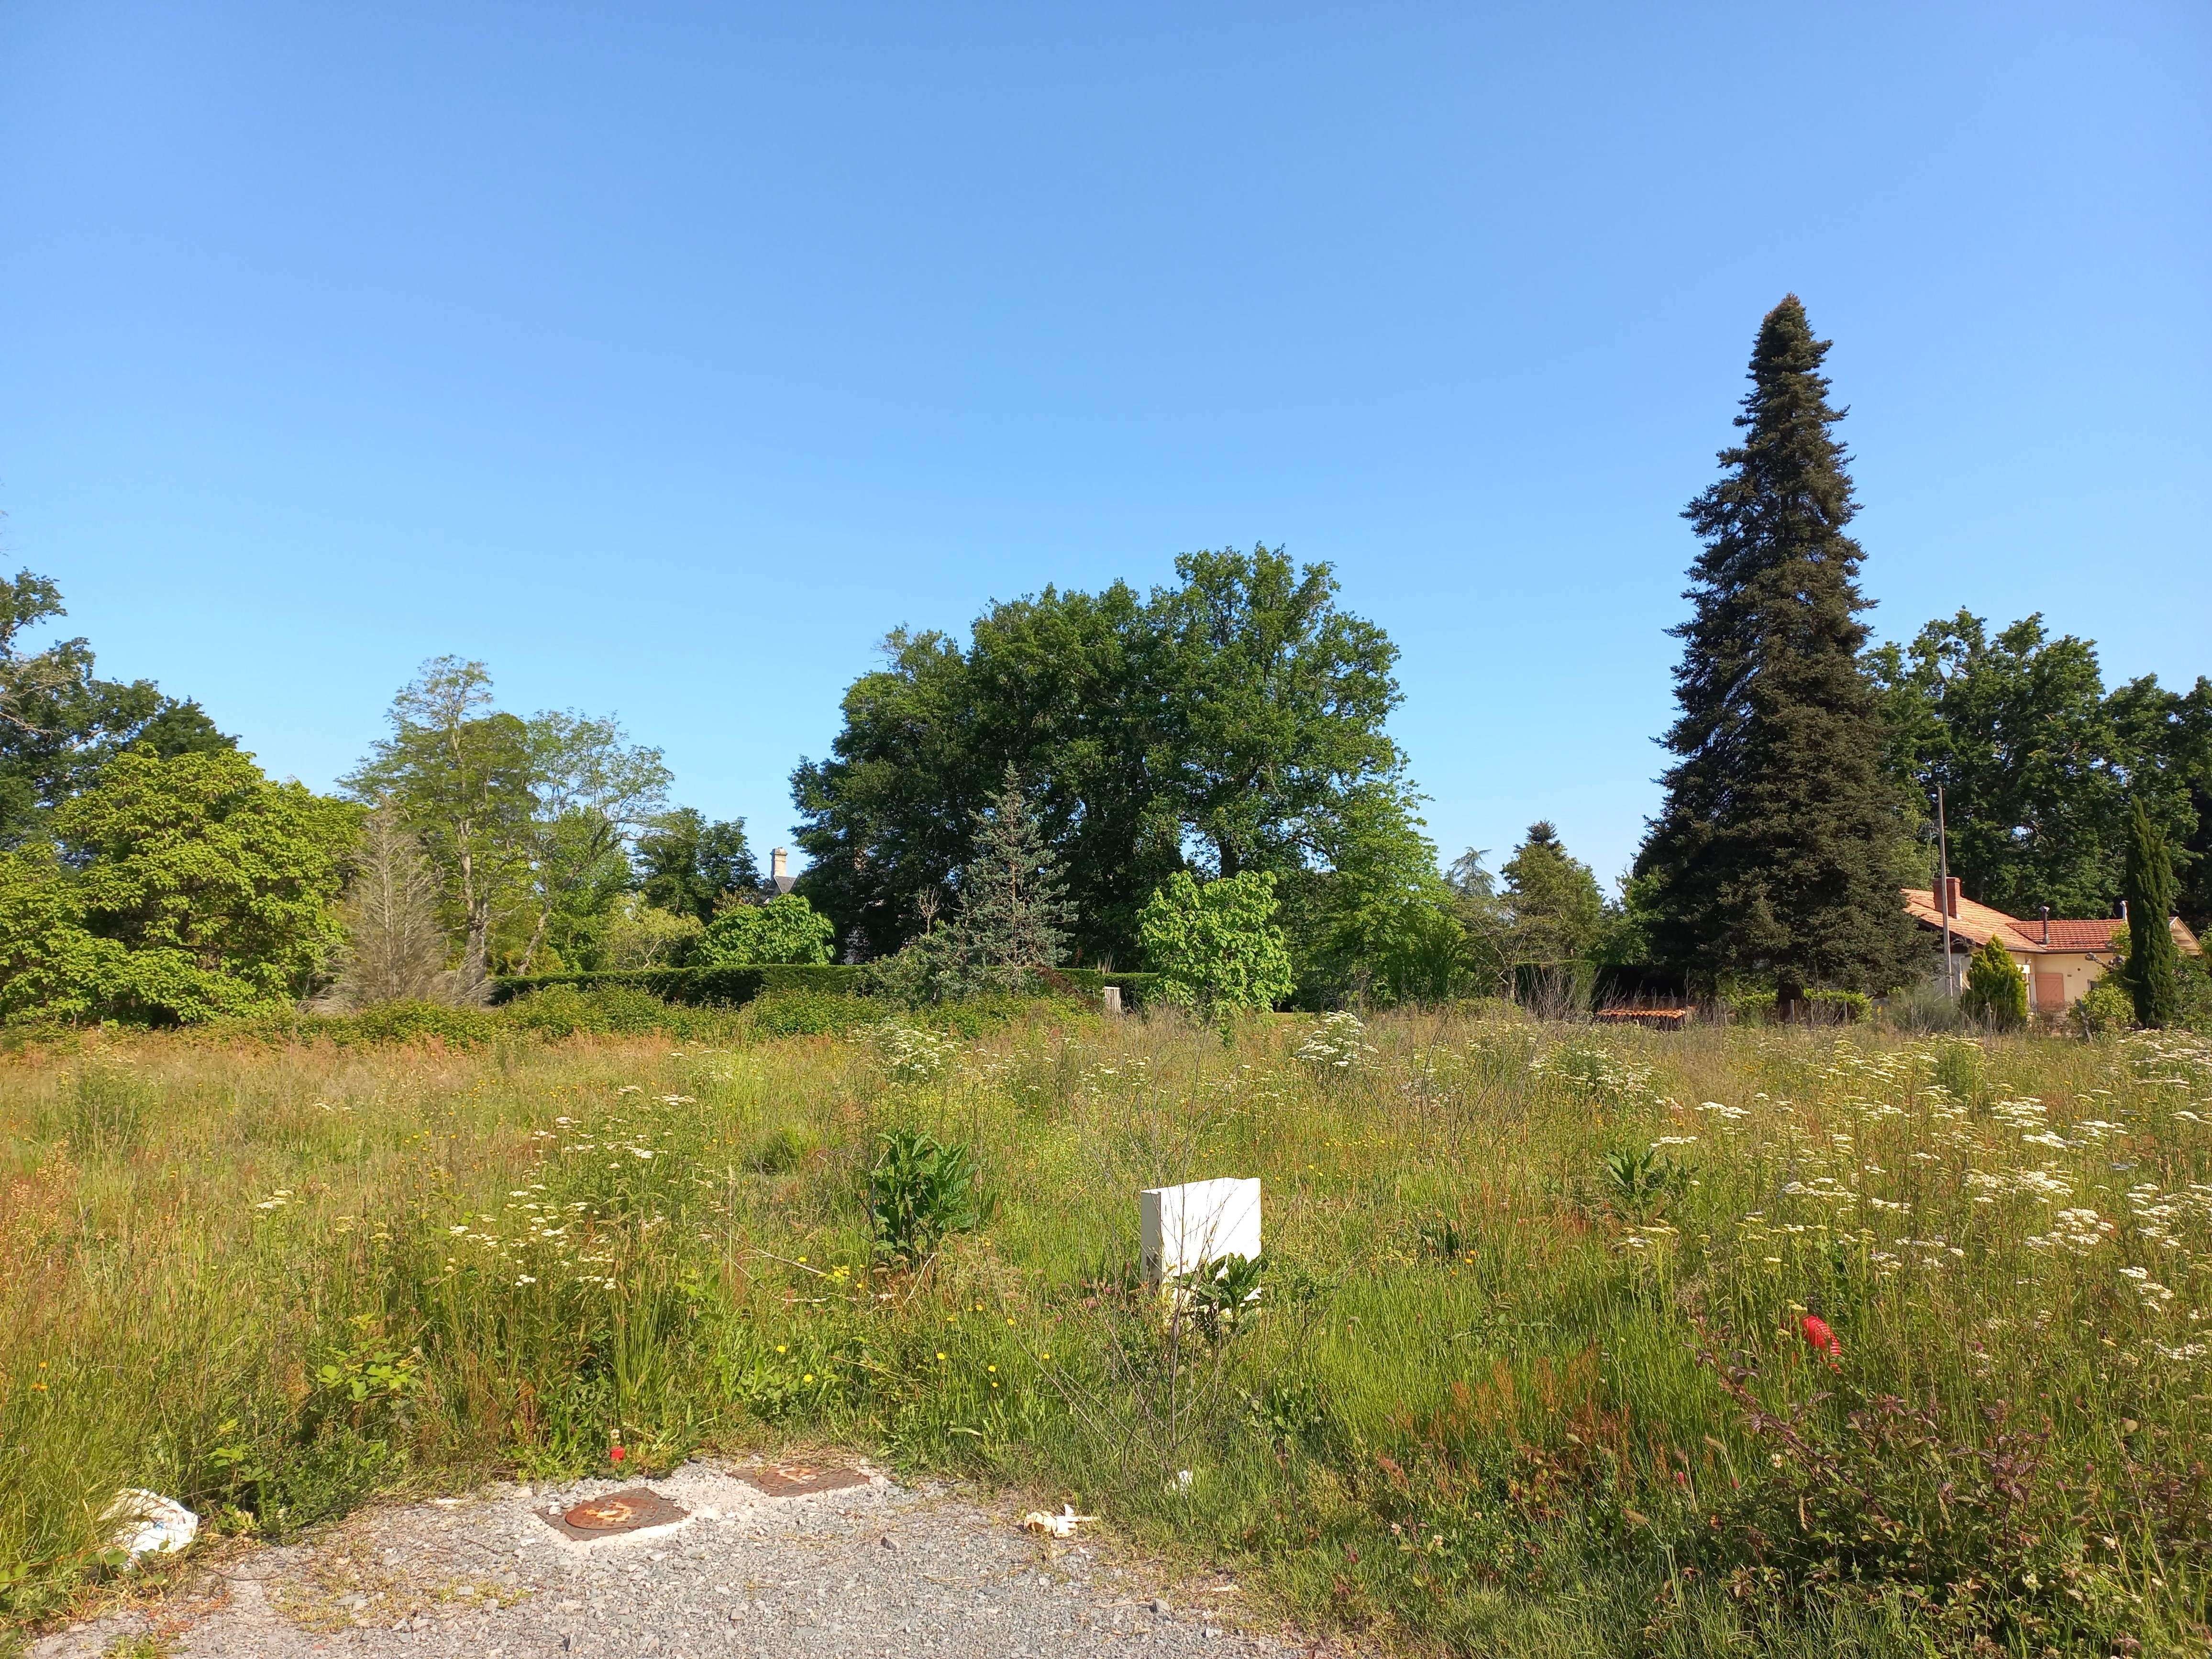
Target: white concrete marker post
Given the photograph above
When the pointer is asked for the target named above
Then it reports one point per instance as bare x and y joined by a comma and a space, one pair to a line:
1181, 1226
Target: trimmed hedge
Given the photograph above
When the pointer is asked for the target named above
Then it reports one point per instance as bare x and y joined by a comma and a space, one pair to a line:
740, 985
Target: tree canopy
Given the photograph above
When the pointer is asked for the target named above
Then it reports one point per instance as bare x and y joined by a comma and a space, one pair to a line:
529, 823
1234, 720
2040, 765
60, 724
187, 887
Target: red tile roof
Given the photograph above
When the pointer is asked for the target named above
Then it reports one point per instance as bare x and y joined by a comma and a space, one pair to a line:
1977, 924
2072, 935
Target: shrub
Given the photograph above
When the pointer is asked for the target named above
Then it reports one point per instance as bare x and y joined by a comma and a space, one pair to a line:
2106, 1006
919, 1192
570, 1010
784, 930
1996, 990
1217, 945
809, 1013
404, 1021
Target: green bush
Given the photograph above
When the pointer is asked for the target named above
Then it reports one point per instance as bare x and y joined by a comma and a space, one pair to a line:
387, 1021
570, 1010
810, 1013
2107, 1007
918, 1192
784, 931
1996, 991
1218, 946
697, 987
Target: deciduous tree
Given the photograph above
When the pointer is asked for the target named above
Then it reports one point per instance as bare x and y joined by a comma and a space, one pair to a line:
592, 790
216, 888
1232, 721
687, 865
460, 772
786, 929
60, 724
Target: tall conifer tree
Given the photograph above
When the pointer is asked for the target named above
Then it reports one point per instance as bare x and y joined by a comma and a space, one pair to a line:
1778, 848
2154, 959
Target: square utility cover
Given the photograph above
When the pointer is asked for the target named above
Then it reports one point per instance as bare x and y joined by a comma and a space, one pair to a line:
632, 1510
797, 1480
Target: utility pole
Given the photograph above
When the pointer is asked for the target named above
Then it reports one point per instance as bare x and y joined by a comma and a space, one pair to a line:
1943, 892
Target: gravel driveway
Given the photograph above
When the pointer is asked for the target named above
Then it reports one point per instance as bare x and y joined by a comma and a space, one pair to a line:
872, 1569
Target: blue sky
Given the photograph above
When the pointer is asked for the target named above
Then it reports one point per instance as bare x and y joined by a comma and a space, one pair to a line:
664, 357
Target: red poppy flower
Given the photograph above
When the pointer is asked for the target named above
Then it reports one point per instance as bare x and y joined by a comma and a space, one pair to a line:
1822, 1340
617, 1453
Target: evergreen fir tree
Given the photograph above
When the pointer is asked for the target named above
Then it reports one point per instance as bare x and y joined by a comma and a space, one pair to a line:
1013, 913
2154, 959
1558, 909
1779, 848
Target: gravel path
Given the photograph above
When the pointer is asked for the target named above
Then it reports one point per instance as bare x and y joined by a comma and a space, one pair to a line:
870, 1570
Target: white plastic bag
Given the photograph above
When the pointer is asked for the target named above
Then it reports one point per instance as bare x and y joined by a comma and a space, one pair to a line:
148, 1523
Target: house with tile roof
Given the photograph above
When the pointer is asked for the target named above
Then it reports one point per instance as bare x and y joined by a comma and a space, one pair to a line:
2060, 959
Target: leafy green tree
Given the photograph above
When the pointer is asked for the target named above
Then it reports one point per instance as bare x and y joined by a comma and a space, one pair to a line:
49, 964
2017, 731
1217, 945
60, 724
591, 790
687, 865
193, 887
786, 929
1276, 700
2154, 965
529, 823
2166, 743
1055, 685
1232, 721
1779, 844
1375, 921
459, 773
1996, 990
1485, 925
640, 935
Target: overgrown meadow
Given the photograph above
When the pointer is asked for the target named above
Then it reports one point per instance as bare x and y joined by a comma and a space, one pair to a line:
1528, 1371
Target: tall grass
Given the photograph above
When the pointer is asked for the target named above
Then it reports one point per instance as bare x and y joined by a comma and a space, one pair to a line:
1529, 1373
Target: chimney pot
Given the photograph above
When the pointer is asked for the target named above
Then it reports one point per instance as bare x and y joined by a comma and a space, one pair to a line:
779, 870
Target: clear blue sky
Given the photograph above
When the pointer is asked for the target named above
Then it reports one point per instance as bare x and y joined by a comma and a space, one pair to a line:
664, 357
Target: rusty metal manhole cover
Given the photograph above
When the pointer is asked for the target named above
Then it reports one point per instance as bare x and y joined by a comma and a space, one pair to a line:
797, 1480
630, 1510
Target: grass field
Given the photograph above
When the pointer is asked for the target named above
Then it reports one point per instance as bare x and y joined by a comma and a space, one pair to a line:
1527, 1374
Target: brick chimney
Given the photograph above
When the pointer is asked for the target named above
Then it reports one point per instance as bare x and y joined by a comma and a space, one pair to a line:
779, 872
1951, 896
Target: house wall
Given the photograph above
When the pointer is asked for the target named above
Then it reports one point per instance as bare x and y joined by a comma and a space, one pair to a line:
2080, 970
